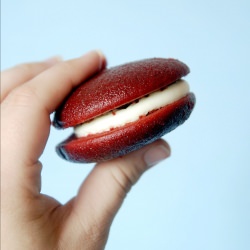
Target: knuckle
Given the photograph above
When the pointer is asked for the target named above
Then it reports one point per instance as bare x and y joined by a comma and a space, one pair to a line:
25, 69
123, 173
22, 96
125, 177
90, 232
96, 232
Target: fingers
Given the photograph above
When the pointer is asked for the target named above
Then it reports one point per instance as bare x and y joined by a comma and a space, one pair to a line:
26, 124
53, 86
20, 74
104, 190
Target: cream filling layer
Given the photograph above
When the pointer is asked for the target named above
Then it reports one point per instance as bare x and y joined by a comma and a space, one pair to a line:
119, 117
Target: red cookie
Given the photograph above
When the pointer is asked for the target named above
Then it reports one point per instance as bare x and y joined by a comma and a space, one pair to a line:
111, 93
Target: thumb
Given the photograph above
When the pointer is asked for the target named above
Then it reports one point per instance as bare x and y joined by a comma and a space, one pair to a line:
104, 190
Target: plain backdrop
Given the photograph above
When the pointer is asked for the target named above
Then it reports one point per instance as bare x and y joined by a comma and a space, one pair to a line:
199, 198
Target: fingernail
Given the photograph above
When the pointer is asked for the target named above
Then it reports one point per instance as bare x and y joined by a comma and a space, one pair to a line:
103, 61
156, 154
53, 60
102, 58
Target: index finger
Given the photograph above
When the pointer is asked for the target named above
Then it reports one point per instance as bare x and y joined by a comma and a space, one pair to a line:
14, 77
53, 85
26, 109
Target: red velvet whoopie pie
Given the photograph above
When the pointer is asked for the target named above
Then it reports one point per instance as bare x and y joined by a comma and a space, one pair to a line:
124, 108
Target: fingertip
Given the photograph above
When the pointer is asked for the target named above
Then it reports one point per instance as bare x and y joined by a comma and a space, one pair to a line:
53, 60
103, 59
101, 56
156, 153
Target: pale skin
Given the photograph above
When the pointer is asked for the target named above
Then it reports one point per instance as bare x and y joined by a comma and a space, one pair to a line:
29, 219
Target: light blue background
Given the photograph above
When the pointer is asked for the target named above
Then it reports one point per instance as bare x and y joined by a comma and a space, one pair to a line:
198, 199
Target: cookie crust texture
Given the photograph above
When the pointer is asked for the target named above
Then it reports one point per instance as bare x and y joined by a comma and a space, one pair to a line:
117, 86
111, 89
133, 136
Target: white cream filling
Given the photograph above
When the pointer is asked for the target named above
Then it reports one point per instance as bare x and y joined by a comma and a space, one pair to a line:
119, 117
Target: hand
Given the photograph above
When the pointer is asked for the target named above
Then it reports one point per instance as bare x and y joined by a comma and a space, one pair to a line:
31, 220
